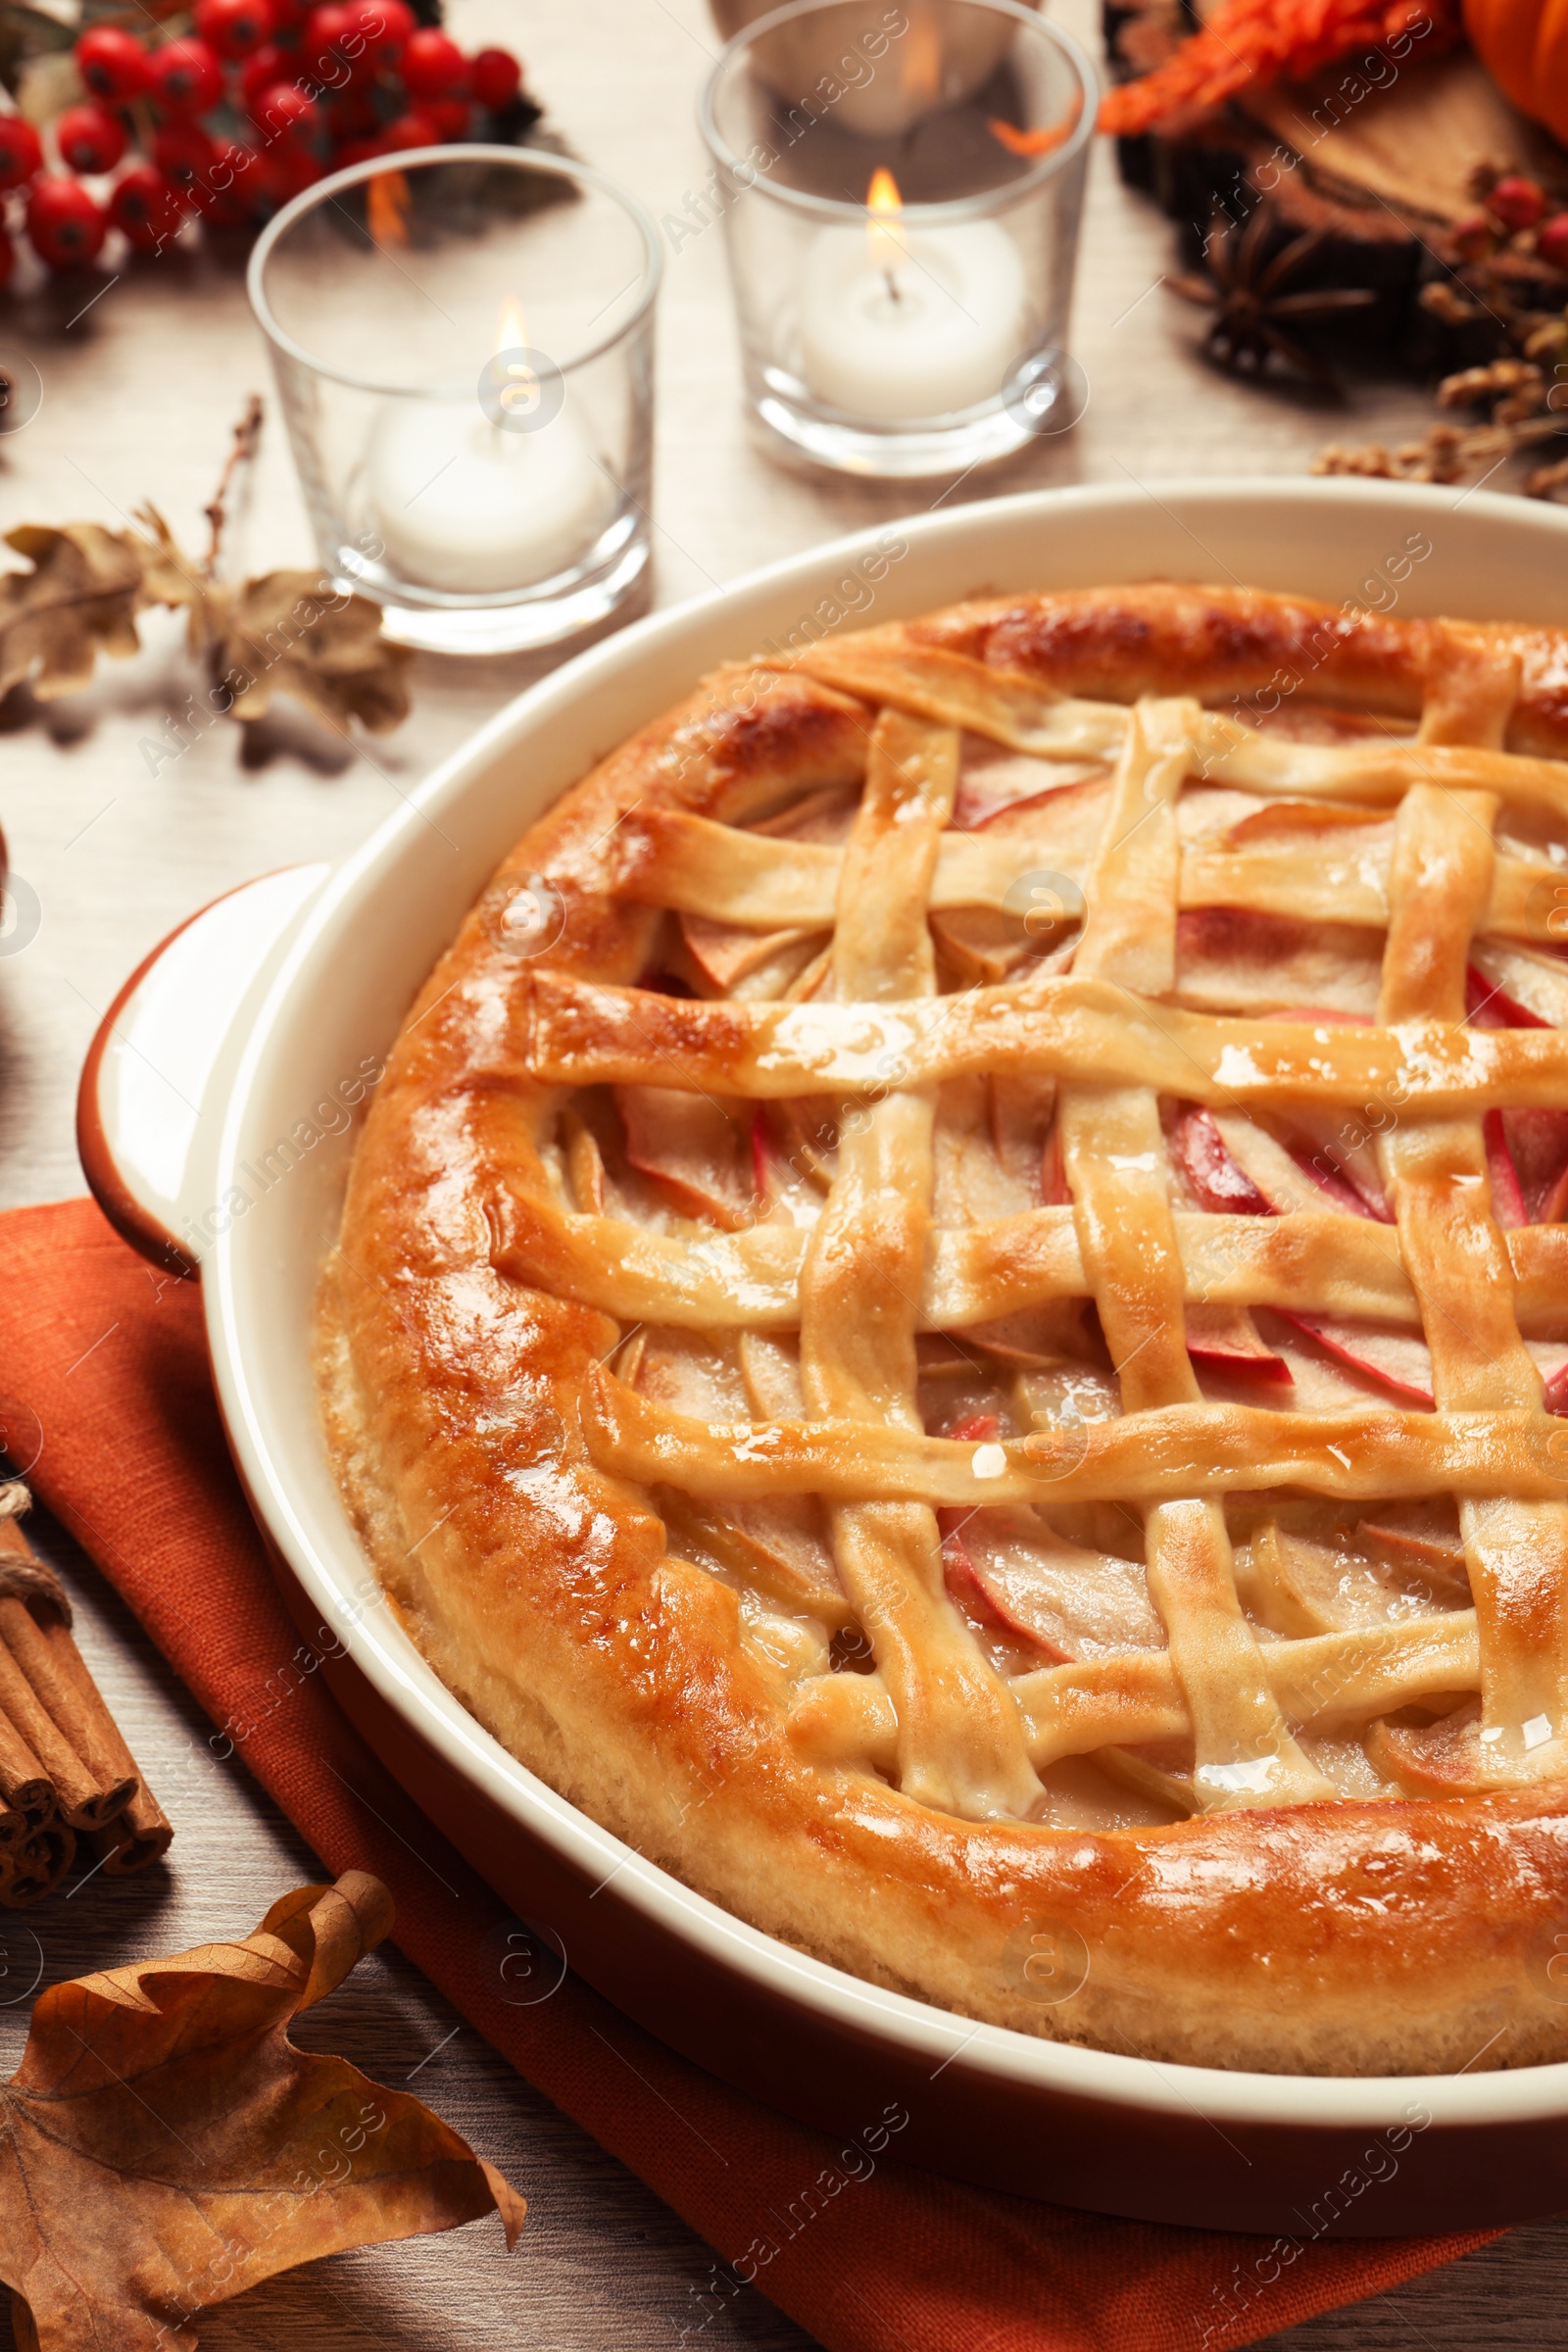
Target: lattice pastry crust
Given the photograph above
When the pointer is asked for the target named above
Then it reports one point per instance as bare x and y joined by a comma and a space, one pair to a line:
952, 1311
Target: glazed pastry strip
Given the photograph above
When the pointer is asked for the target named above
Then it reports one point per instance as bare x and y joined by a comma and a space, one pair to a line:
571, 1032
1525, 901
1114, 1155
960, 1742
1027, 716
756, 882
1437, 1173
1360, 1455
1113, 1152
952, 690
1324, 1680
1315, 1262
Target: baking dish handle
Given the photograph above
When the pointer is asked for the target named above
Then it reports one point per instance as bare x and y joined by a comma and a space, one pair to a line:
156, 1081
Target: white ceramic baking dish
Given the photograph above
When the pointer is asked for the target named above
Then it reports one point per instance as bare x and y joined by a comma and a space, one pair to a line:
271, 1012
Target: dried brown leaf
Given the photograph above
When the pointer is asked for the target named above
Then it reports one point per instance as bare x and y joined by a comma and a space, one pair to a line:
290, 632
167, 2147
79, 600
169, 576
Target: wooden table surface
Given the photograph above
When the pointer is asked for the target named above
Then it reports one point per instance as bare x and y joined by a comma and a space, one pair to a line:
118, 845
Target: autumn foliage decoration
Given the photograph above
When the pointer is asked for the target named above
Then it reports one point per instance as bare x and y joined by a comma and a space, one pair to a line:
163, 2144
1247, 42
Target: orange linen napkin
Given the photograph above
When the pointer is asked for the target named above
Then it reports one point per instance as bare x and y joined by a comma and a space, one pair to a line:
112, 1359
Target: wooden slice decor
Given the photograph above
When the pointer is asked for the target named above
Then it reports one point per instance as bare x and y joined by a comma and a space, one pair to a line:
1374, 158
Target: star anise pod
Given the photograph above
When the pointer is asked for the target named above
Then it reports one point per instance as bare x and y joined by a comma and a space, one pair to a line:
1256, 315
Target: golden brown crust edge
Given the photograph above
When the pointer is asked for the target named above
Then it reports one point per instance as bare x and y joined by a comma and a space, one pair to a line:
1337, 1940
1267, 650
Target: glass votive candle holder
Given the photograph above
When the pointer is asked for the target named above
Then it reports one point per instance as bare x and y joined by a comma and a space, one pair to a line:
902, 188
462, 342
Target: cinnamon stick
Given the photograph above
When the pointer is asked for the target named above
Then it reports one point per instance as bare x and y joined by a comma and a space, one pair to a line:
35, 1868
59, 1708
143, 1814
57, 1674
122, 1847
26, 1788
85, 1797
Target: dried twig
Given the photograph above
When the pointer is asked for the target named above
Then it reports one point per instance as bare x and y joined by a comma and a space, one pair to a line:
1522, 417
247, 434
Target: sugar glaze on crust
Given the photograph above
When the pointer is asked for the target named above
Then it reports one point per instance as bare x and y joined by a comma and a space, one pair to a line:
950, 1318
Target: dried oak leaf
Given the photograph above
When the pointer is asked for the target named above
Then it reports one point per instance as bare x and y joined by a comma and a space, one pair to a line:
167, 2147
79, 600
289, 633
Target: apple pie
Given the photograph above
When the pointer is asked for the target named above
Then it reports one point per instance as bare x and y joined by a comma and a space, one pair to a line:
953, 1313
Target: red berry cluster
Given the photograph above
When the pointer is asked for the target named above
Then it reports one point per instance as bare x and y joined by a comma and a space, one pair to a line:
1517, 215
318, 87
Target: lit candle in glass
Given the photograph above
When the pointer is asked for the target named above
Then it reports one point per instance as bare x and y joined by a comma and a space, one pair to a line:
475, 498
898, 324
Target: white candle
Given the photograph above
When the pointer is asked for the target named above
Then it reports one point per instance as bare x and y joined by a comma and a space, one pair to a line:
898, 324
472, 507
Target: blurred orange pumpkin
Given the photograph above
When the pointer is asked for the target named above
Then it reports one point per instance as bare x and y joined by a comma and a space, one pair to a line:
1524, 46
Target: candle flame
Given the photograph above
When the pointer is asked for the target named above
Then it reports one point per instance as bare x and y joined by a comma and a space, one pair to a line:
884, 208
882, 196
520, 392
